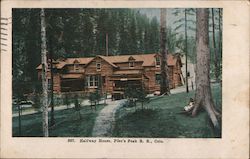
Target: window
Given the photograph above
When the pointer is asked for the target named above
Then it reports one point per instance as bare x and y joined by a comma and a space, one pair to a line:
92, 81
98, 66
96, 81
76, 67
157, 61
158, 78
49, 84
131, 64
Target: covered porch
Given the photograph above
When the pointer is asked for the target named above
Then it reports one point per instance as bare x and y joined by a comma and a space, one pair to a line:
72, 82
123, 79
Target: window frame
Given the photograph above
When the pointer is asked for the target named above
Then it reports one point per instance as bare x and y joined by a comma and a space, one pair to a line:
157, 61
76, 67
98, 66
157, 79
92, 81
131, 64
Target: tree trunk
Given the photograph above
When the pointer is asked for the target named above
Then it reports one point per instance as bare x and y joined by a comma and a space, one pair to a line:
164, 66
216, 68
19, 119
44, 75
52, 119
186, 51
220, 42
107, 44
203, 95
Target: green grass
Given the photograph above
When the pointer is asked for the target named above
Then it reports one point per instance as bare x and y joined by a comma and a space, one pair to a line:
68, 123
162, 118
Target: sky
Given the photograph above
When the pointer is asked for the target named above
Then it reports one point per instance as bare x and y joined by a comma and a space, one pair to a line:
151, 12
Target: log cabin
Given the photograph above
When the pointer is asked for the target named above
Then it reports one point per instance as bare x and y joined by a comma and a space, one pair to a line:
112, 74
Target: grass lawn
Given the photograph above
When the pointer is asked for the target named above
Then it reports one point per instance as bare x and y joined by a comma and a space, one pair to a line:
162, 118
68, 123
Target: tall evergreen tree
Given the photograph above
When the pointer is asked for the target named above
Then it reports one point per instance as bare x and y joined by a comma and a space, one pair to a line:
220, 38
32, 42
123, 32
20, 27
44, 74
87, 33
171, 40
164, 65
203, 95
132, 35
147, 47
216, 66
154, 39
183, 23
140, 32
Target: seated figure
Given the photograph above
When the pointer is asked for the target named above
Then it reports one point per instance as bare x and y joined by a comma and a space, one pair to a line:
190, 106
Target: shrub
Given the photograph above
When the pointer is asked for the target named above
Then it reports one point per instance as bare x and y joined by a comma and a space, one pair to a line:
77, 106
95, 98
66, 100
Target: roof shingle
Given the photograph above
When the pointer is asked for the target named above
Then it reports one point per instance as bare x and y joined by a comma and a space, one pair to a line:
147, 59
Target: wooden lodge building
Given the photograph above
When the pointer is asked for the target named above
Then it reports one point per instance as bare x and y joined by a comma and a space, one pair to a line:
112, 74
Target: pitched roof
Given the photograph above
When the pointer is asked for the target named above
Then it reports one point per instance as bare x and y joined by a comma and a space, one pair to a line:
68, 61
84, 60
171, 60
147, 59
106, 59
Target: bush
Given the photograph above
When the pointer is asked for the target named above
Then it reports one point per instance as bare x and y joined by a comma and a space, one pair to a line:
66, 100
95, 98
141, 96
37, 101
135, 94
77, 106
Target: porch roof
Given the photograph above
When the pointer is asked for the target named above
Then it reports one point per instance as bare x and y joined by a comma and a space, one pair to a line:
72, 75
126, 72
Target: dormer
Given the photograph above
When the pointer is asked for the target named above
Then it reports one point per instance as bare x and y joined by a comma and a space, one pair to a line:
131, 62
157, 60
76, 65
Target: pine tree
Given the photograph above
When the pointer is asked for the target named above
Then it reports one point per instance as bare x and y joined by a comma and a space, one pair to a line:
220, 38
183, 22
154, 36
147, 44
123, 32
140, 32
44, 74
216, 67
203, 95
164, 65
31, 43
133, 35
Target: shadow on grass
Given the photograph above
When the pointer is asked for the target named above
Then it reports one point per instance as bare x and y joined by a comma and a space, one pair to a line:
164, 124
67, 124
164, 120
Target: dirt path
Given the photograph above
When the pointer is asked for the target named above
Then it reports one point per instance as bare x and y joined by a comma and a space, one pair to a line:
105, 120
